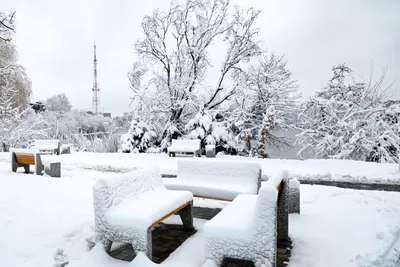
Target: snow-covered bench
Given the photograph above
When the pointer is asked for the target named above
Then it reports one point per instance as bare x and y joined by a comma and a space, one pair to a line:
250, 226
184, 146
127, 206
216, 178
26, 157
47, 146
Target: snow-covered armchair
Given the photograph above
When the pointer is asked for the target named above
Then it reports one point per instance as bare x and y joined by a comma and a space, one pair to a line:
127, 206
247, 229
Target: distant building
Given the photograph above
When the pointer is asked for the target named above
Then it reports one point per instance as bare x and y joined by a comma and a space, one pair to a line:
107, 114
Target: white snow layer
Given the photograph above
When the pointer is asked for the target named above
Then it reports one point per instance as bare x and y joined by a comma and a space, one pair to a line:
328, 170
338, 227
277, 178
246, 229
125, 205
184, 145
216, 178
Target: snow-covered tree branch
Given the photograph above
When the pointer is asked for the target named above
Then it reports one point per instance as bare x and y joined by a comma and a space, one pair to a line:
174, 59
351, 120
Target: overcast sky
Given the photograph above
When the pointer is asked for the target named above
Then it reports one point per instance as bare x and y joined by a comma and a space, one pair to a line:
55, 42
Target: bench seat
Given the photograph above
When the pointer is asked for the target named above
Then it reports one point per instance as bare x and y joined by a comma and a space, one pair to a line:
211, 189
146, 209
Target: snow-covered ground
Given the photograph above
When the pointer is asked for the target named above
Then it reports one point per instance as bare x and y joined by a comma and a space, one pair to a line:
46, 220
337, 170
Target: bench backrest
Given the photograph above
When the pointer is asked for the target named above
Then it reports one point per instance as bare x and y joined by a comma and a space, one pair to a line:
217, 170
46, 144
194, 143
111, 191
25, 156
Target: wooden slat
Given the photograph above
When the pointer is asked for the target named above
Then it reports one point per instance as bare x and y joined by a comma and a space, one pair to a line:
213, 198
169, 214
26, 159
279, 186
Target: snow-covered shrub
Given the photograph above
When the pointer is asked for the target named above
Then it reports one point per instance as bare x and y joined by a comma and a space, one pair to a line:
139, 137
350, 120
211, 132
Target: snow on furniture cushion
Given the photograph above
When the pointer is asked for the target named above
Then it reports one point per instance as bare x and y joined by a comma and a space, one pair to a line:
246, 229
184, 145
210, 189
216, 178
126, 206
143, 210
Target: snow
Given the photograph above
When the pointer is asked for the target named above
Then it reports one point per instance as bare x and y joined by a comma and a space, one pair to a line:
184, 145
277, 178
294, 183
216, 178
338, 227
141, 211
310, 170
246, 229
127, 204
31, 151
46, 144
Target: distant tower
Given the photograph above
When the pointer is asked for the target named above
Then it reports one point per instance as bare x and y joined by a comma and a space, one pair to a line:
95, 89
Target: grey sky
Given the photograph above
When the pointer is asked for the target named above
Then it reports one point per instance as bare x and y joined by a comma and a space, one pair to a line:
55, 42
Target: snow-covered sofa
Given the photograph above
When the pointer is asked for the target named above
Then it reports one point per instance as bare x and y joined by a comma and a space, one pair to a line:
184, 146
47, 146
127, 206
248, 228
216, 178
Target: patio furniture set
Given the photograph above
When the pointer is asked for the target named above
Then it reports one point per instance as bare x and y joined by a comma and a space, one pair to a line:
127, 207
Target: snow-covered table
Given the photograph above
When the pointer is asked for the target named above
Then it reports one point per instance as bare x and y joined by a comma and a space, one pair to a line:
185, 146
248, 228
47, 146
127, 206
216, 178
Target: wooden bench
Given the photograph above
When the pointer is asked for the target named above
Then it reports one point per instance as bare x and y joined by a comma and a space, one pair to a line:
251, 225
127, 207
47, 146
26, 157
185, 146
216, 178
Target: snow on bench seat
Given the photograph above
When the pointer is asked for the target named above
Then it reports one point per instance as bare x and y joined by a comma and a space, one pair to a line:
147, 208
216, 178
246, 229
127, 206
184, 146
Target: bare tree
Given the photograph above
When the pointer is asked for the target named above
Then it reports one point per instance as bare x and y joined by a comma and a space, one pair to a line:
351, 120
174, 54
268, 105
7, 26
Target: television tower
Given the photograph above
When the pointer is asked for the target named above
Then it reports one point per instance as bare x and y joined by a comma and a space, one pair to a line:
95, 89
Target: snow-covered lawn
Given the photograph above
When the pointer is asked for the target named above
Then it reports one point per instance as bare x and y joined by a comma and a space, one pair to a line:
338, 170
40, 216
